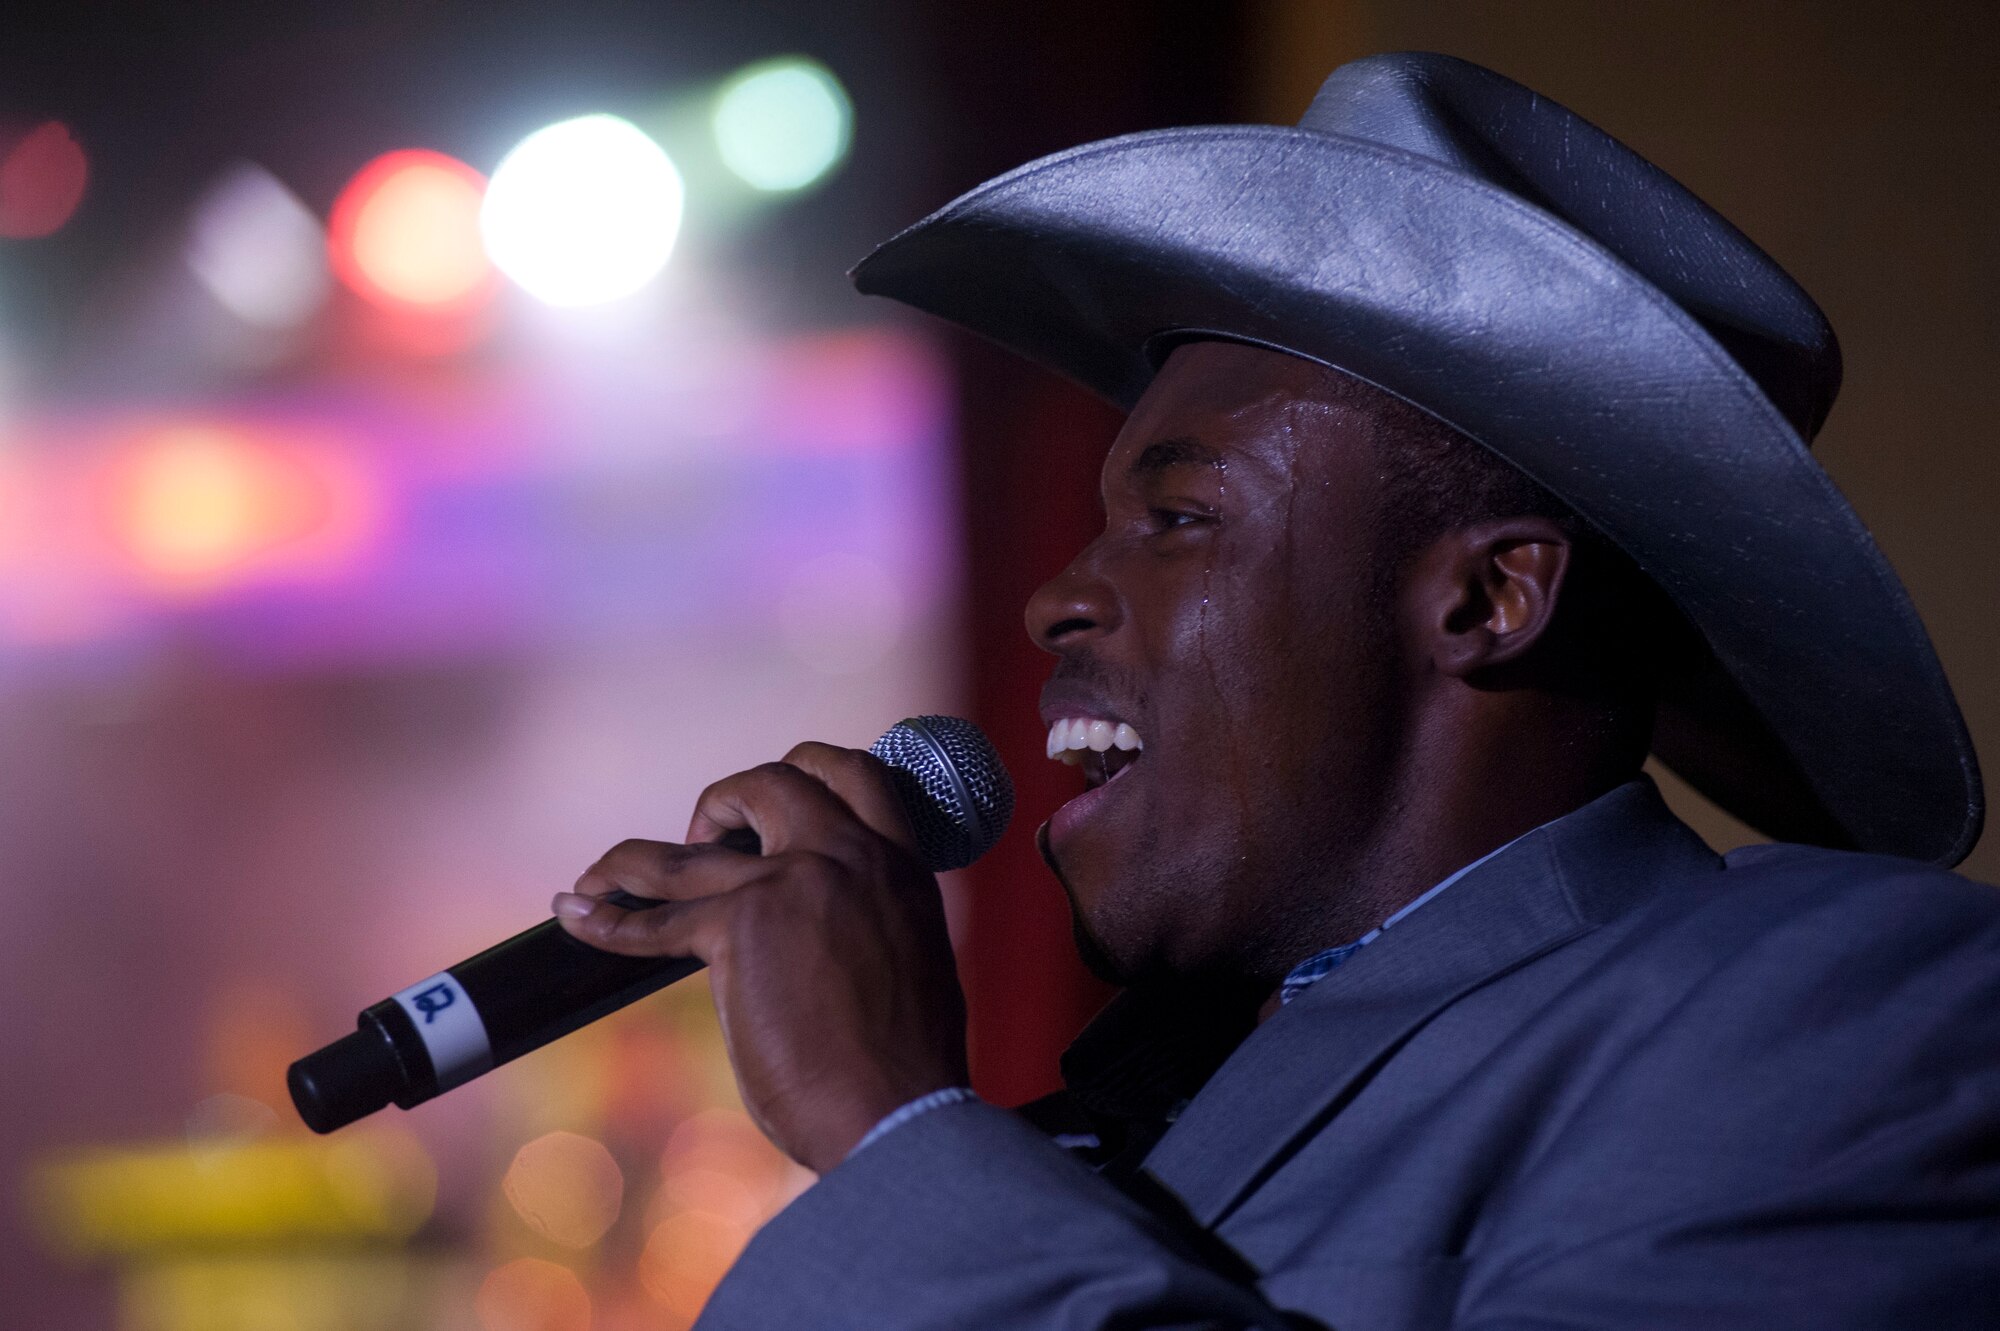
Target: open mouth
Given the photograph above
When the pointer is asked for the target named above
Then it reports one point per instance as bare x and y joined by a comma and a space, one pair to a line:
1102, 749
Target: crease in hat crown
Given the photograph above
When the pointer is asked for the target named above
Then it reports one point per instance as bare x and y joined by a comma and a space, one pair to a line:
1475, 248
1466, 117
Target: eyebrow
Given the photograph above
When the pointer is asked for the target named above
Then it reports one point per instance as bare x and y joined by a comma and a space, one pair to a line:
1177, 452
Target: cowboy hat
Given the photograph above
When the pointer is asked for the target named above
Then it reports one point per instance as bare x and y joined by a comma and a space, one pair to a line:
1462, 242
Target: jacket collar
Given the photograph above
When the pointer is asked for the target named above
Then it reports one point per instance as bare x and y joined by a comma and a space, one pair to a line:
1296, 1070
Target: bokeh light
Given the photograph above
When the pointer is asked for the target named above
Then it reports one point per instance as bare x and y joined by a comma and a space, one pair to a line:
383, 1181
375, 1184
405, 233
532, 1295
224, 1121
42, 178
583, 212
719, 1180
342, 1287
195, 506
782, 124
258, 250
686, 1256
565, 1187
726, 1142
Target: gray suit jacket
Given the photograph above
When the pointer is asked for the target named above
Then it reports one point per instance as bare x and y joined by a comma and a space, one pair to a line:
1608, 1080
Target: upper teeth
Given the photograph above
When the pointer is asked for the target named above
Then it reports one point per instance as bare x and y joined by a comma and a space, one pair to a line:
1074, 733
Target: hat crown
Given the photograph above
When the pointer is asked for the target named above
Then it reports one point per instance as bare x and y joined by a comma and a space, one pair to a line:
1485, 125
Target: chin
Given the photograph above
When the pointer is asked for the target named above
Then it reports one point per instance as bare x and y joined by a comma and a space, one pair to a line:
1120, 937
1098, 957
1104, 937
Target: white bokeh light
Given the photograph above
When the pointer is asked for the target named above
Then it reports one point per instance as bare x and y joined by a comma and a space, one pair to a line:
583, 212
782, 124
258, 250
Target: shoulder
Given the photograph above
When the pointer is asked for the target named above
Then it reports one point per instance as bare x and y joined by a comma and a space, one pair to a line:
1785, 908
1840, 870
1802, 1015
1803, 986
1816, 991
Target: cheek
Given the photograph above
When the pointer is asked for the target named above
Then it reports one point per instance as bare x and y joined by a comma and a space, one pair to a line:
1279, 686
1234, 689
1257, 654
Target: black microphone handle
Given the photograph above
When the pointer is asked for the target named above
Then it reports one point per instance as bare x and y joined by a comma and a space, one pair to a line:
489, 1009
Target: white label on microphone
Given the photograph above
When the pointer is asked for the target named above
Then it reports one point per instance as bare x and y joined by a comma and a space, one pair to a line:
443, 1014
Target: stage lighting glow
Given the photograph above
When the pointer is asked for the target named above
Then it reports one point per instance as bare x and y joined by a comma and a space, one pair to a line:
782, 124
258, 250
841, 613
42, 176
198, 507
405, 233
583, 212
17, 513
193, 504
379, 1184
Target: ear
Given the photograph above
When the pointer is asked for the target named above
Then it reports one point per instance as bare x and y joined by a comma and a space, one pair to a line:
1483, 595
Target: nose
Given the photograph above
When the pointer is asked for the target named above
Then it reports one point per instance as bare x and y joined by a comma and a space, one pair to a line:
1076, 606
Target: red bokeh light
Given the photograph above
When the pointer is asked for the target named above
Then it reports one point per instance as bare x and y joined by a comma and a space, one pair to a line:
404, 234
42, 177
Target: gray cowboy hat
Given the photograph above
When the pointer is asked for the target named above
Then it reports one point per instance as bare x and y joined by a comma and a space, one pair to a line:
1472, 247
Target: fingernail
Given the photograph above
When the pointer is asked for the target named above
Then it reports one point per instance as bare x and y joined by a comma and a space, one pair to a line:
572, 905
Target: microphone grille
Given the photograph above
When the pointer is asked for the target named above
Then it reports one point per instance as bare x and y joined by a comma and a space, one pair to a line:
953, 787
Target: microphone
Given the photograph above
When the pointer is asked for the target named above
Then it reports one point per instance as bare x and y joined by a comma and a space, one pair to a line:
542, 984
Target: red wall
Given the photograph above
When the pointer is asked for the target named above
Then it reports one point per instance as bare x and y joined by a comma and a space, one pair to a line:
1041, 77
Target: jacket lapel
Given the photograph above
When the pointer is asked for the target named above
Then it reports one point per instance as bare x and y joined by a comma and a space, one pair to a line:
1298, 1069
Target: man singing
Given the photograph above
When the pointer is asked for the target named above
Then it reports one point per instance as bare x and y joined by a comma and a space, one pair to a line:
1465, 466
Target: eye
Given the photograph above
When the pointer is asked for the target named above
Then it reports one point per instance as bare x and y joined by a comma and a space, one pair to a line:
1166, 519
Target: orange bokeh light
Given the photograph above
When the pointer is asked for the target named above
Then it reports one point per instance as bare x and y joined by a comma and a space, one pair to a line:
42, 177
565, 1187
686, 1257
533, 1295
717, 1161
200, 506
405, 234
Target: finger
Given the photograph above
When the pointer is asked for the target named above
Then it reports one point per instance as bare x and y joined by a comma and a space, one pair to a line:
863, 782
663, 871
693, 928
784, 805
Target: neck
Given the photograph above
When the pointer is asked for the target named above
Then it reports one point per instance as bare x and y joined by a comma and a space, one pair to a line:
1477, 771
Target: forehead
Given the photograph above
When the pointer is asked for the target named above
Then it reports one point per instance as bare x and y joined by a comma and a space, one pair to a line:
1243, 404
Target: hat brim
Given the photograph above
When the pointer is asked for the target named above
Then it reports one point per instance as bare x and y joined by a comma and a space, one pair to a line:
1820, 713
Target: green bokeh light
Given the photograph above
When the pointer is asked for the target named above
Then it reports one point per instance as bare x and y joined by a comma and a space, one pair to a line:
782, 124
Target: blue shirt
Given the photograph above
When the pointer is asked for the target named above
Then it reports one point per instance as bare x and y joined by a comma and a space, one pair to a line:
1321, 964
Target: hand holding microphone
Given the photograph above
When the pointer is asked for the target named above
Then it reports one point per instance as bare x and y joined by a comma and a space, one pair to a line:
832, 972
